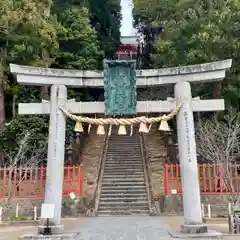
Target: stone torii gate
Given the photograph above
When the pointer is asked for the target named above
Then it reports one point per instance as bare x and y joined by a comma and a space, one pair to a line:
180, 76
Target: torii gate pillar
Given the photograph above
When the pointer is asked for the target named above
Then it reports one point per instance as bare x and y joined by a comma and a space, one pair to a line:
55, 164
188, 161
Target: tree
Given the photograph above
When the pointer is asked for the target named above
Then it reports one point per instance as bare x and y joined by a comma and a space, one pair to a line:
12, 135
218, 141
196, 31
78, 44
105, 17
19, 165
29, 38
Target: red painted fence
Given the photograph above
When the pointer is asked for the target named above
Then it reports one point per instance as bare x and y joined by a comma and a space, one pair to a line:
30, 182
211, 179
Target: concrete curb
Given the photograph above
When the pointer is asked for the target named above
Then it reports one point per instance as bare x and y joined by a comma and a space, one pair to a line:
210, 234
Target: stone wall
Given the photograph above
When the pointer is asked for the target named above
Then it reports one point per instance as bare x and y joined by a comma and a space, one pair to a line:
25, 206
92, 154
156, 154
70, 208
173, 205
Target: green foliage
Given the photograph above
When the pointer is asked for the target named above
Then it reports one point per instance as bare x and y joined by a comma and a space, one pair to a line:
196, 31
106, 18
19, 218
31, 36
78, 45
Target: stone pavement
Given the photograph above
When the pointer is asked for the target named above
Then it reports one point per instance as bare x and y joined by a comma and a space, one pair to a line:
124, 228
110, 228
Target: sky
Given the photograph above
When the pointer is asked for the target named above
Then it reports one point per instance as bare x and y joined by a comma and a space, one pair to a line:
127, 18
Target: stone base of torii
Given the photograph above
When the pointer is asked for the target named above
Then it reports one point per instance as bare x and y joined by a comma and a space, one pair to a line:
180, 76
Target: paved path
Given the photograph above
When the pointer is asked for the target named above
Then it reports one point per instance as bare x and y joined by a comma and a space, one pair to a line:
111, 228
124, 228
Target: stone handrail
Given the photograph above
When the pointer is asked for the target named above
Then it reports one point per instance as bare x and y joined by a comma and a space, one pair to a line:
97, 192
147, 175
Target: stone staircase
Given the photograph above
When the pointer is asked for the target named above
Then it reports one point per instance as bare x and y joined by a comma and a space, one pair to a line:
123, 190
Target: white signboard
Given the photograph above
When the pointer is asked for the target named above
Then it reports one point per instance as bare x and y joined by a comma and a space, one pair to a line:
47, 211
174, 191
72, 195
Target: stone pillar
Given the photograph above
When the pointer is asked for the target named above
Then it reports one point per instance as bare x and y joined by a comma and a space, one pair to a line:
56, 153
188, 161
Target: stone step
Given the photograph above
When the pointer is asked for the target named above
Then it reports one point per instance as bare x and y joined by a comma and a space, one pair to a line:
124, 157
130, 139
124, 207
119, 162
122, 180
123, 173
123, 184
124, 189
126, 143
123, 195
124, 161
123, 166
124, 137
120, 212
132, 147
126, 172
121, 169
124, 153
120, 166
129, 167
123, 200
123, 176
122, 204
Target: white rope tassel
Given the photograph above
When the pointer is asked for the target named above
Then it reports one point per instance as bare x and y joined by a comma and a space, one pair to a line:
131, 132
110, 130
89, 128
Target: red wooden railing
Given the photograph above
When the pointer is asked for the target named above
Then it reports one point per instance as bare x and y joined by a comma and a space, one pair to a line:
30, 182
211, 179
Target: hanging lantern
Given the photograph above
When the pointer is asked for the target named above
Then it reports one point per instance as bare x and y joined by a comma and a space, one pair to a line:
78, 127
100, 130
122, 130
164, 126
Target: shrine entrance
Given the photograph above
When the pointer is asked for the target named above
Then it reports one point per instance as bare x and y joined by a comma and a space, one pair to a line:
120, 81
